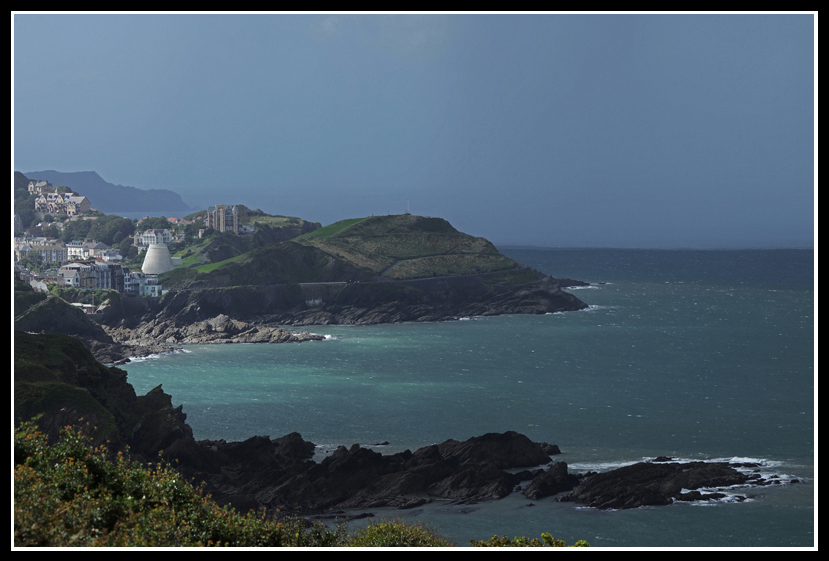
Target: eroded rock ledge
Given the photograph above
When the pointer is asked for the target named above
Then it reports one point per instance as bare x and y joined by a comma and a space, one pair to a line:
161, 335
280, 474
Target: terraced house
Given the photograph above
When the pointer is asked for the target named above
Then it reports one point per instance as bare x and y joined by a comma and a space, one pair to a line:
86, 249
38, 186
62, 203
51, 251
94, 274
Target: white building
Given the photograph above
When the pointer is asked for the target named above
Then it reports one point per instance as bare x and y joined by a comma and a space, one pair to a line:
87, 249
140, 284
157, 260
148, 237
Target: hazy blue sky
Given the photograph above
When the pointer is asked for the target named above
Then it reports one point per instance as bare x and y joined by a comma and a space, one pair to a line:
550, 130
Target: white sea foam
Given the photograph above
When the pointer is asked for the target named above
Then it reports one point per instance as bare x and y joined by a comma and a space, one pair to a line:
596, 308
157, 355
598, 466
143, 358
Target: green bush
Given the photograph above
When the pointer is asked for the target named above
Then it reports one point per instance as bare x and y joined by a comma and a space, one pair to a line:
394, 533
71, 494
519, 541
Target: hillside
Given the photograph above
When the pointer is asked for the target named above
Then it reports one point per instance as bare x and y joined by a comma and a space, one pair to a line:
394, 248
56, 377
363, 271
405, 246
113, 199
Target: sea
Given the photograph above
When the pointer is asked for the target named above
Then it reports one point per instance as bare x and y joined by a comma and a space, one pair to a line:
693, 354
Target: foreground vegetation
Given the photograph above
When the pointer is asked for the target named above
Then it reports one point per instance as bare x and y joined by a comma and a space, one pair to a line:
73, 494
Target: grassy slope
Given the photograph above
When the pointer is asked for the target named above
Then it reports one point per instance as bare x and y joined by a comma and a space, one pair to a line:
397, 247
55, 373
331, 229
406, 246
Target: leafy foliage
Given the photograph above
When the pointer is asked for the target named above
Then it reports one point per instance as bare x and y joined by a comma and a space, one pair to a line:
71, 494
395, 533
547, 540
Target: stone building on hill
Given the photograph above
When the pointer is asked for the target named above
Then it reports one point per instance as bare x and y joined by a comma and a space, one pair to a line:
224, 218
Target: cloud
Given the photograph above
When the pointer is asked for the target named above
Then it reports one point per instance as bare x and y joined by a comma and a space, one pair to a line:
407, 36
326, 27
411, 35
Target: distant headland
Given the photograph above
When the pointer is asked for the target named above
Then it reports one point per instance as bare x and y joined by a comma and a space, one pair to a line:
115, 199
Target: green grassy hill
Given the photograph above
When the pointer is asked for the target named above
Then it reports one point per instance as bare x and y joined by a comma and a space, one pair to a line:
397, 247
405, 246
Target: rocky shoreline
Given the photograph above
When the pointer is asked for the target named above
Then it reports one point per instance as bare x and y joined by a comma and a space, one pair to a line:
264, 473
260, 473
160, 336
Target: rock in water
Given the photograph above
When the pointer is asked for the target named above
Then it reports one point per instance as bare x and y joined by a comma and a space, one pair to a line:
647, 483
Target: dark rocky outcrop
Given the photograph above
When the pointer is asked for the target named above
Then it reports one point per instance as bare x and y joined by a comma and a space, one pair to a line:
259, 472
556, 479
57, 380
55, 315
651, 483
116, 345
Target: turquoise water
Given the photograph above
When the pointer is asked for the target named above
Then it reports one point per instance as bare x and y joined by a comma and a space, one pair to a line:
693, 354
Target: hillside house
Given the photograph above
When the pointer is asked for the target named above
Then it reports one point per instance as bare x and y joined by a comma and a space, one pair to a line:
62, 203
78, 275
179, 221
87, 249
76, 205
94, 274
49, 202
39, 187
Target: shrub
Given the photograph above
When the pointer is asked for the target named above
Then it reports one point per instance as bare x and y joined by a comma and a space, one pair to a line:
395, 533
71, 494
520, 541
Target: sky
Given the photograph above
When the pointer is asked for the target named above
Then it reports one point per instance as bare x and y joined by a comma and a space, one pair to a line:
556, 130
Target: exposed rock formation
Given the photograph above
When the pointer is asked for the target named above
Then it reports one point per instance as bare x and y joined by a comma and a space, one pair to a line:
367, 303
260, 472
220, 329
651, 483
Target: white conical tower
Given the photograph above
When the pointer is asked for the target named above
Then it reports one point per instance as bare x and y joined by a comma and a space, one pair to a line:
157, 260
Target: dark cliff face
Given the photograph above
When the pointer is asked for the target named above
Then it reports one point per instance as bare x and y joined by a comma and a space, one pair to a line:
367, 302
57, 378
